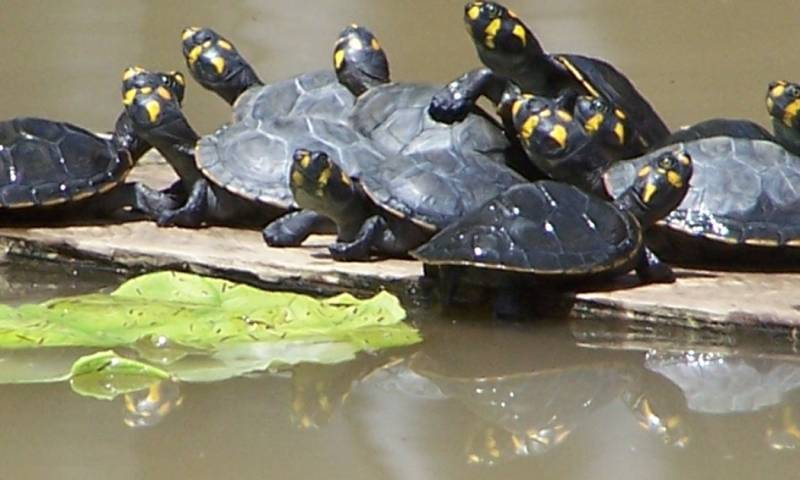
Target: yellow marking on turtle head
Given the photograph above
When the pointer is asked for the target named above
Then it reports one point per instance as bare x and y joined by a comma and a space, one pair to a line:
778, 89
770, 104
224, 44
559, 134
128, 96
491, 32
791, 112
620, 114
474, 12
146, 90
194, 54
324, 177
516, 106
683, 158
297, 178
675, 179
338, 59
178, 76
644, 171
355, 43
592, 125
564, 115
346, 179
519, 32
219, 64
207, 44
164, 93
188, 32
526, 131
305, 160
153, 110
649, 190
545, 113
619, 131
375, 44
130, 72
512, 14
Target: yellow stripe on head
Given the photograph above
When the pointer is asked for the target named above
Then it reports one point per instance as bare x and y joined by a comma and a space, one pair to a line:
219, 64
593, 124
375, 45
164, 93
564, 115
649, 190
519, 32
305, 160
619, 131
194, 54
644, 171
130, 72
559, 134
338, 59
491, 32
526, 131
324, 177
474, 12
778, 90
178, 77
791, 112
683, 158
674, 179
188, 32
153, 110
224, 44
128, 96
516, 106
297, 178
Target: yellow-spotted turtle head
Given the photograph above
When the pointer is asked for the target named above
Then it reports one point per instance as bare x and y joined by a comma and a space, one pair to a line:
359, 60
137, 77
660, 186
319, 184
216, 64
783, 103
494, 27
148, 102
598, 118
543, 127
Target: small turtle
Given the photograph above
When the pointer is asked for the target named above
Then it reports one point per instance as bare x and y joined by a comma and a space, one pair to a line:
397, 202
48, 166
545, 233
743, 207
239, 174
515, 59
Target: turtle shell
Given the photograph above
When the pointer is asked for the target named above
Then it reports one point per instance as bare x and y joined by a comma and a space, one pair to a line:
718, 127
308, 94
43, 162
601, 79
543, 228
435, 187
742, 192
253, 159
395, 117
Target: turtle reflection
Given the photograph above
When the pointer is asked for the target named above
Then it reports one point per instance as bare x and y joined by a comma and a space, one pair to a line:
148, 407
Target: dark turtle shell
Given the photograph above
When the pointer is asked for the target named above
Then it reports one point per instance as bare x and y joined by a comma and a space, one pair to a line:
395, 117
601, 79
718, 127
743, 192
43, 162
543, 228
309, 94
253, 159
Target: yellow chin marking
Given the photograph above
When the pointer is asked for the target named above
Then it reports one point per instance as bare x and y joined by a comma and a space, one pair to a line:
519, 32
563, 115
593, 124
127, 97
224, 44
219, 64
338, 59
474, 12
375, 45
649, 190
194, 54
619, 131
355, 43
130, 72
297, 178
559, 135
674, 179
164, 93
153, 110
188, 32
491, 32
526, 131
644, 171
791, 112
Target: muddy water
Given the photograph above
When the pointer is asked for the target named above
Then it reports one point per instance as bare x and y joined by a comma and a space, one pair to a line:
477, 399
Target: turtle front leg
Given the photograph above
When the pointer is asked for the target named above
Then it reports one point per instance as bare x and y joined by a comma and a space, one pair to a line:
292, 229
359, 249
455, 101
651, 269
192, 213
137, 196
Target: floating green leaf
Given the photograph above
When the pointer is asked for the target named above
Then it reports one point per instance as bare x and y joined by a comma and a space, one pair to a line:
105, 375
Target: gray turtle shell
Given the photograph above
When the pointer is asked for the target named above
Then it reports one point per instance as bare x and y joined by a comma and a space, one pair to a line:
742, 191
43, 162
253, 159
544, 228
316, 94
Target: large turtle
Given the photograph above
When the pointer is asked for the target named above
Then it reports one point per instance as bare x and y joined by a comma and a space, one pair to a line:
743, 207
514, 59
49, 167
546, 232
397, 202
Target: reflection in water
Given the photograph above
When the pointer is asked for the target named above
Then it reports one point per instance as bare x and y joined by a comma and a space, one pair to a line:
148, 407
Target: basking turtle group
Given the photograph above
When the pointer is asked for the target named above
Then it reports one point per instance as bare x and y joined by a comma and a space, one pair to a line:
575, 178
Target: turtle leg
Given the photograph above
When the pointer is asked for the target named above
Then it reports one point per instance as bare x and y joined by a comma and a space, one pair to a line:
651, 269
293, 228
455, 101
359, 249
192, 213
138, 196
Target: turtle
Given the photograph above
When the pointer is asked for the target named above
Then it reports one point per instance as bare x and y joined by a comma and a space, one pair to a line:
743, 208
548, 233
50, 167
394, 117
397, 202
514, 59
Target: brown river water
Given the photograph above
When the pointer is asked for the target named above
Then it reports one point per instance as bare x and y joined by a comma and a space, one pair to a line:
478, 398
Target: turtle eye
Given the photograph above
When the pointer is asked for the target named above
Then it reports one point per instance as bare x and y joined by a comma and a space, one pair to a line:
599, 105
666, 163
794, 91
490, 9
